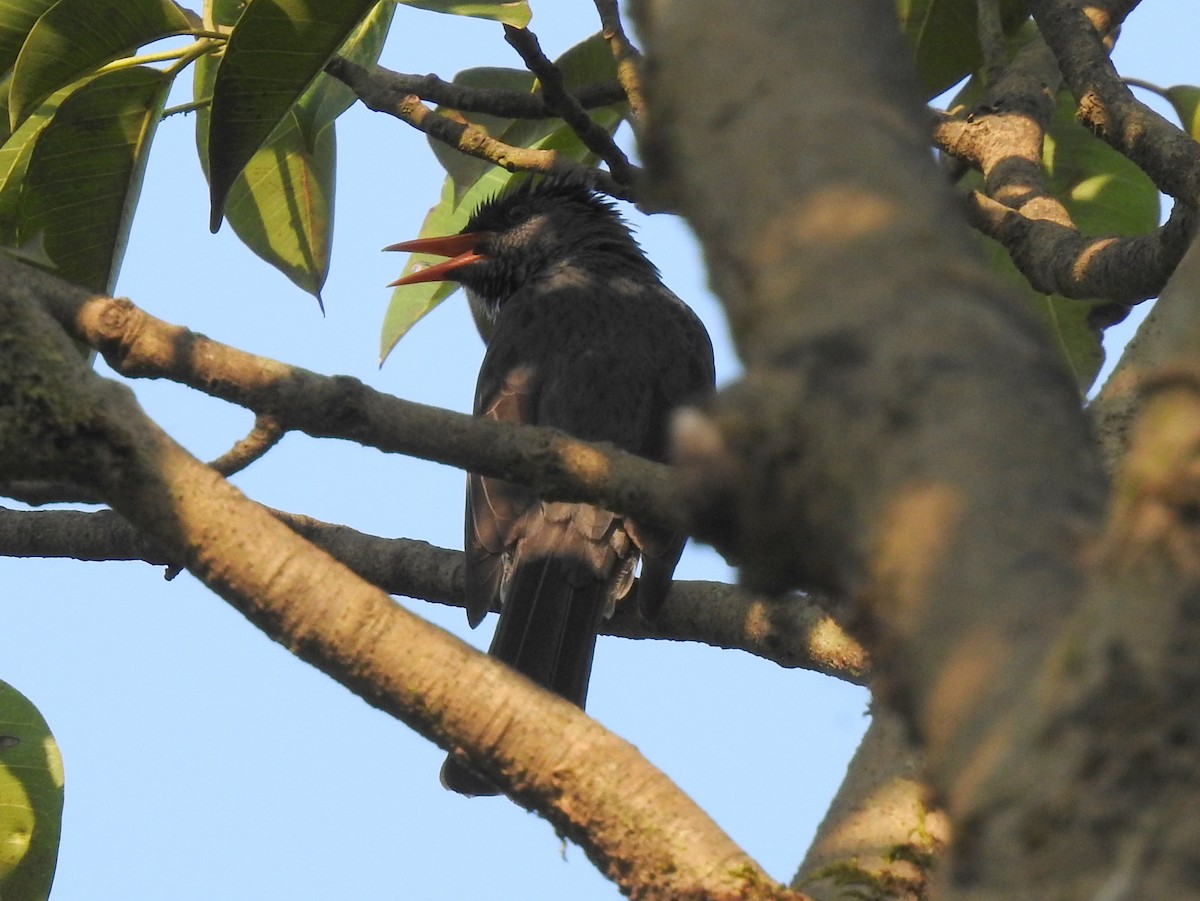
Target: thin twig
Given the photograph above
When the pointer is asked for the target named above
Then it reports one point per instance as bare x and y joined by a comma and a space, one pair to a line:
466, 138
188, 107
493, 101
595, 138
266, 433
628, 57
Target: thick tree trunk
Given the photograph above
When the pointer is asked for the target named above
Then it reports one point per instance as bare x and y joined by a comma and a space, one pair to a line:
905, 435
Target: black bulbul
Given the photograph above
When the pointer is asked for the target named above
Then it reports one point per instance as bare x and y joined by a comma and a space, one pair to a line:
584, 337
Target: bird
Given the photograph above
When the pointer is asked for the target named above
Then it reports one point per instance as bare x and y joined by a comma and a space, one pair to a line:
584, 337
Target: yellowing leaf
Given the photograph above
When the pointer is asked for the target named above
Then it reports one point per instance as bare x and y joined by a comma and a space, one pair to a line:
31, 799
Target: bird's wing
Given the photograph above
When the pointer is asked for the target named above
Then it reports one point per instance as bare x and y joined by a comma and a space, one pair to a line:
496, 509
687, 375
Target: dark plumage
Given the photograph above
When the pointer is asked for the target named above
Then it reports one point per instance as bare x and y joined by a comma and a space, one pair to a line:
585, 338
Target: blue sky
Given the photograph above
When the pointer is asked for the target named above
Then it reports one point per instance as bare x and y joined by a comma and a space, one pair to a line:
203, 760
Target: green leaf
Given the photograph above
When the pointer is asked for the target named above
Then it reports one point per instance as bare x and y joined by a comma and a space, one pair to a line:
511, 12
276, 50
281, 204
31, 799
5, 131
328, 98
17, 17
85, 173
1079, 340
1186, 100
588, 62
943, 38
77, 36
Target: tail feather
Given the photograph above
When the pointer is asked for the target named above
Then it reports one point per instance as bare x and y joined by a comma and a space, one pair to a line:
566, 570
547, 632
549, 623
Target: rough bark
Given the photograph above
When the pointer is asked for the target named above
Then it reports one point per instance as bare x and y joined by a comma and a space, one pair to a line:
1089, 797
904, 435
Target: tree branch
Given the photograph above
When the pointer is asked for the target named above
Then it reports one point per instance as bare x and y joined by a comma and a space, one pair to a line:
1057, 259
568, 108
1101, 762
1003, 137
792, 631
381, 82
1171, 330
882, 835
1106, 105
629, 59
463, 137
266, 433
138, 345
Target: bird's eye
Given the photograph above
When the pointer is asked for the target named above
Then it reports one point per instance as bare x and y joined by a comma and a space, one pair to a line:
517, 212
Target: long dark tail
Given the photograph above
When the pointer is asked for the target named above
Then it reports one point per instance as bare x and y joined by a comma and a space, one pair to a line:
547, 631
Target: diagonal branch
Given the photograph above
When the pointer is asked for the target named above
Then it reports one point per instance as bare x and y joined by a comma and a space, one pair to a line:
569, 109
138, 345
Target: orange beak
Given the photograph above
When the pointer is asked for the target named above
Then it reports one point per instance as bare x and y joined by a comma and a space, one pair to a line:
461, 249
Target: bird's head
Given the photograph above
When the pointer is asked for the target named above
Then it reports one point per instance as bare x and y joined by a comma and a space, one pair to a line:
538, 228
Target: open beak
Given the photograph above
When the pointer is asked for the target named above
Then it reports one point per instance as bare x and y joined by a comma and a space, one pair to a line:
461, 249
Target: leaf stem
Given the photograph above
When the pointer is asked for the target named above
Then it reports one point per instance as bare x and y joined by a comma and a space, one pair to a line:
187, 107
180, 56
195, 51
1146, 86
